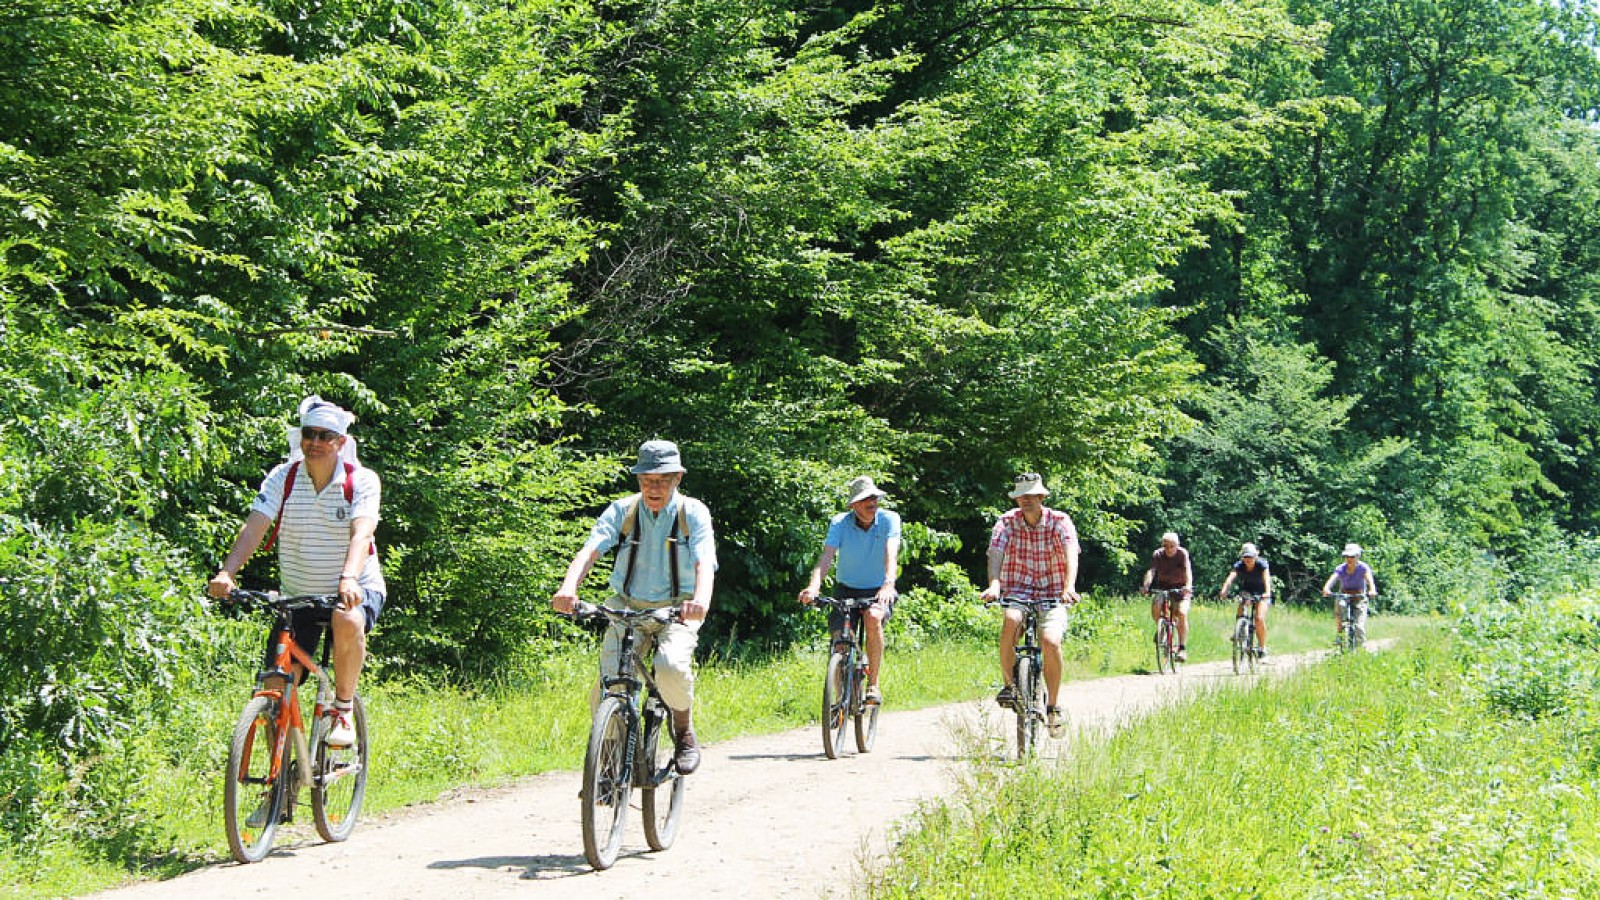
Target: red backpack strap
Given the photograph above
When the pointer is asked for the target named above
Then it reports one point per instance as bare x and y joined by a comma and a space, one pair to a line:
277, 521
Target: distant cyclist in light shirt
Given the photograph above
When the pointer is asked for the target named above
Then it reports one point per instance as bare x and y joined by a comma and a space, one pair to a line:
1353, 577
866, 542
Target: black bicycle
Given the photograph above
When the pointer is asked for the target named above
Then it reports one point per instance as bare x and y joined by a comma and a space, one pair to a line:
273, 755
1352, 608
1246, 643
1027, 673
1167, 629
844, 686
625, 749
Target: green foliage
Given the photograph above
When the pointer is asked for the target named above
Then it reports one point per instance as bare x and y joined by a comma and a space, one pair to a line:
1369, 776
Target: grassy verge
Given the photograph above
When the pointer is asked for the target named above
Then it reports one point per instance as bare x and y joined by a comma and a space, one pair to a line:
431, 740
1370, 776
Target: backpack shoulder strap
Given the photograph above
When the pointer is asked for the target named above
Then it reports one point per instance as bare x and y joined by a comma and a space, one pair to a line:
630, 517
277, 521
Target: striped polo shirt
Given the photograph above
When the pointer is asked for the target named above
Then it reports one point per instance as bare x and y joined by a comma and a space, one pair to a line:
315, 534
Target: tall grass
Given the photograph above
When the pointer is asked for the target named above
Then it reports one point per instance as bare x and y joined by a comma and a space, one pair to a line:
431, 739
1369, 776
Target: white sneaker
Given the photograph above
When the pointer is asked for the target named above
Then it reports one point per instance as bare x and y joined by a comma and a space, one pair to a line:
341, 733
1055, 723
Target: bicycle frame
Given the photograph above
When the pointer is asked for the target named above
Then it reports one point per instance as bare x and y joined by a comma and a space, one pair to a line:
1245, 638
844, 682
278, 663
634, 676
1029, 659
1166, 636
1350, 605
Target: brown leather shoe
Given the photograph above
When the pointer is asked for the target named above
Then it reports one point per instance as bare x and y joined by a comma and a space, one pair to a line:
686, 753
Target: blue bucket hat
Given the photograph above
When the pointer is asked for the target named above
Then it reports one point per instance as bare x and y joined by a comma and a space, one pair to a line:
658, 458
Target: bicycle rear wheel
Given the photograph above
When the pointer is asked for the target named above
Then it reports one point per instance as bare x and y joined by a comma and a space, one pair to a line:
866, 714
1027, 720
252, 798
607, 783
836, 688
661, 798
339, 778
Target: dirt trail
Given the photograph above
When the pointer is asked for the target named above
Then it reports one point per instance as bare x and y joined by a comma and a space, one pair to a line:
765, 817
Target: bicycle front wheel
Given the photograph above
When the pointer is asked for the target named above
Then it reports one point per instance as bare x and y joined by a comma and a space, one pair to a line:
835, 705
607, 783
252, 797
662, 794
1027, 718
339, 778
1165, 661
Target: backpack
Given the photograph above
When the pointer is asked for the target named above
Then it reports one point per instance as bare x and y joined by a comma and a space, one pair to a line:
288, 488
629, 517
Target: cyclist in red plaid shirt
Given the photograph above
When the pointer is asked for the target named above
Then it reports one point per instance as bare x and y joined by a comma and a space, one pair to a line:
1033, 555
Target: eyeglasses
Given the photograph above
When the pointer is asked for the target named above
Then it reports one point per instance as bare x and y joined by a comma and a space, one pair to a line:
319, 434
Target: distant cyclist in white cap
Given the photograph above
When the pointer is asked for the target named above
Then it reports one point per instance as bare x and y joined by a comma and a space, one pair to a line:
1353, 577
1253, 577
321, 508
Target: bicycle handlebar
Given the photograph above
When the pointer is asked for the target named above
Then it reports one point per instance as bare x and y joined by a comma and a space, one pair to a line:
246, 601
1019, 603
845, 603
587, 612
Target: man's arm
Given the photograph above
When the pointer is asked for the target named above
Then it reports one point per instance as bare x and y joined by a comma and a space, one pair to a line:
1070, 595
566, 595
355, 559
891, 556
251, 534
705, 574
814, 585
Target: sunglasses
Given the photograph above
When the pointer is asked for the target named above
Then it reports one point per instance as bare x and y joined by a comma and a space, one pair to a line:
319, 434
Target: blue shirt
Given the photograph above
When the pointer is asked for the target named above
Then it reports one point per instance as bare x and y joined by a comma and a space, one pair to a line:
1253, 580
652, 574
862, 550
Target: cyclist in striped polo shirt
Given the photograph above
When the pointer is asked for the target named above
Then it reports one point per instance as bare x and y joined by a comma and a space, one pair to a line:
320, 508
1033, 555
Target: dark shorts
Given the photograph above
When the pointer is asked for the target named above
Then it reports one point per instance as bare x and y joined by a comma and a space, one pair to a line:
836, 617
309, 625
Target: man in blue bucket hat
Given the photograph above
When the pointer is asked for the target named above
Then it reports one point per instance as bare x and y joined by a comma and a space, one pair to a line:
666, 556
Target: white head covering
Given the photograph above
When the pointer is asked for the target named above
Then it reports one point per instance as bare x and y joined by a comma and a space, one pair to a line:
316, 412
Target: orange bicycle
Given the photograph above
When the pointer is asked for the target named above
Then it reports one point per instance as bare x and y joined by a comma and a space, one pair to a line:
272, 758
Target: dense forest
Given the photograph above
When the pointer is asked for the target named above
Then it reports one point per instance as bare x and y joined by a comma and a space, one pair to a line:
1288, 271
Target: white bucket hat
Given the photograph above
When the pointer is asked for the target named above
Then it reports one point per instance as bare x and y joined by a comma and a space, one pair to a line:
1352, 550
1248, 550
860, 489
1029, 483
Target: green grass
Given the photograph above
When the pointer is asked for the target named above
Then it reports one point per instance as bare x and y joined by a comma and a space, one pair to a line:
430, 740
1376, 776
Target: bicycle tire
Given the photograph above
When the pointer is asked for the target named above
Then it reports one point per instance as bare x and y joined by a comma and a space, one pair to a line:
1165, 661
661, 819
836, 683
1238, 647
866, 715
249, 784
339, 778
1027, 726
1251, 647
607, 783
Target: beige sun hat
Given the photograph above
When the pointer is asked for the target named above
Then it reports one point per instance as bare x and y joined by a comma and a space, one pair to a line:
861, 488
1029, 483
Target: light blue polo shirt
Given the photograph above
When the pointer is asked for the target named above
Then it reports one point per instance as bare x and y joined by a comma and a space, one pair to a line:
652, 577
862, 550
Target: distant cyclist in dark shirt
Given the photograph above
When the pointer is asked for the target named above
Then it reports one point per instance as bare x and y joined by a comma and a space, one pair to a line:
1251, 571
1170, 571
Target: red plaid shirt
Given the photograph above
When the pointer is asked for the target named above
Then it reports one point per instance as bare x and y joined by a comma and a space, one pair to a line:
1033, 558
